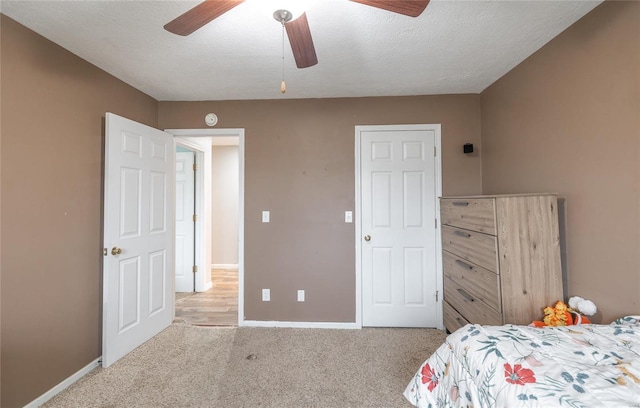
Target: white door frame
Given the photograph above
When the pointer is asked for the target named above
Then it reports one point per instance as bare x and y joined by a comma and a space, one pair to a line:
358, 210
239, 133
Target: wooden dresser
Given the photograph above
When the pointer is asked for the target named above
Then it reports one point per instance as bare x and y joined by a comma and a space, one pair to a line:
501, 258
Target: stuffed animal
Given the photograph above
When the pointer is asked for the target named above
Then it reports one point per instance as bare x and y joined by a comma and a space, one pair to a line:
557, 315
582, 308
561, 314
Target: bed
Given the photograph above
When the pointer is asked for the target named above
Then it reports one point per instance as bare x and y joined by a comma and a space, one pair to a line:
518, 366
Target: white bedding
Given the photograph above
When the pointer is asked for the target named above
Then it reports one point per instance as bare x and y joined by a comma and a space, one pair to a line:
516, 366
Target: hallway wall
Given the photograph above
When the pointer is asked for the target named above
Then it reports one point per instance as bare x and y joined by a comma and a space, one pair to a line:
224, 208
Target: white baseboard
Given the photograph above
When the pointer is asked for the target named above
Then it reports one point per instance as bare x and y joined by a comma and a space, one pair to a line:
64, 384
300, 325
207, 286
224, 266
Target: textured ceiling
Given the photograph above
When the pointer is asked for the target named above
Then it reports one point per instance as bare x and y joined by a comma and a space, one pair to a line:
453, 47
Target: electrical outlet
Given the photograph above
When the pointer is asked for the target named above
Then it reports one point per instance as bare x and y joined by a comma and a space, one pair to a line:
266, 295
348, 217
300, 295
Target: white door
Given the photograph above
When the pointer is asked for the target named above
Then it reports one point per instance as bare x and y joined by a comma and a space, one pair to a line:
399, 248
185, 224
138, 235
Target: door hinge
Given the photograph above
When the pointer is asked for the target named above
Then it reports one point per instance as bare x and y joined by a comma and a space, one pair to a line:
434, 151
437, 293
195, 167
436, 223
195, 217
195, 268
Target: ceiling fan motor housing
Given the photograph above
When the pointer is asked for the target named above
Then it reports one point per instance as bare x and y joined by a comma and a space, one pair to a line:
282, 16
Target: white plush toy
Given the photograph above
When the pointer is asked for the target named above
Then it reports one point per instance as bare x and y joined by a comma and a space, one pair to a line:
580, 307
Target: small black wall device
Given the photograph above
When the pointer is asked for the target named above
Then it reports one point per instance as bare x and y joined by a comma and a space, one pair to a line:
467, 148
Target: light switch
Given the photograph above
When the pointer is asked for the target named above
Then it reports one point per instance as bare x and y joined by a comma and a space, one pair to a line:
300, 295
266, 295
348, 217
265, 216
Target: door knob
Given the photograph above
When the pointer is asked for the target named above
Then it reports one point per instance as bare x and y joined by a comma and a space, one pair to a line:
116, 251
367, 238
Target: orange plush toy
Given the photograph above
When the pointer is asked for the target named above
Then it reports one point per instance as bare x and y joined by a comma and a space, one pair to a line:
561, 315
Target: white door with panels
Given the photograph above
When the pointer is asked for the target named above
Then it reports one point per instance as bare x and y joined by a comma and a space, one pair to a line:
399, 242
139, 235
185, 222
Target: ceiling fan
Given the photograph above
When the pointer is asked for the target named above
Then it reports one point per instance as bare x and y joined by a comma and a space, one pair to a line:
297, 30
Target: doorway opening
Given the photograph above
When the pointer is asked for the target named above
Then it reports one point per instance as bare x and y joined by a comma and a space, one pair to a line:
213, 297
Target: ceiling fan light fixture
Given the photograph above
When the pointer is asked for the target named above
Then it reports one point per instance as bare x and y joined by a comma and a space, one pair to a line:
283, 16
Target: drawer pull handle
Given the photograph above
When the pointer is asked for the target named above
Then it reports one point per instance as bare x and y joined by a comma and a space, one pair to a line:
465, 295
462, 234
466, 265
460, 321
460, 203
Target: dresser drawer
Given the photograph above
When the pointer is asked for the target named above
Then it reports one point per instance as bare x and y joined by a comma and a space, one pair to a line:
452, 319
481, 283
468, 306
475, 247
476, 214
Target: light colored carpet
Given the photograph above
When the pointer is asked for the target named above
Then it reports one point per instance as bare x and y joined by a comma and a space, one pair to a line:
188, 366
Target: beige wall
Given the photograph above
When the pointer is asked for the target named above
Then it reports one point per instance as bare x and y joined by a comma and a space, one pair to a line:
0, 226
299, 164
224, 205
53, 106
567, 120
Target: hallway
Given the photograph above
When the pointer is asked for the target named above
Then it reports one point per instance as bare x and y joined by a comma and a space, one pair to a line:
217, 306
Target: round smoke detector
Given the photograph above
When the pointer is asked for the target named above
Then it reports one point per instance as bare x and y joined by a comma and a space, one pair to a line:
211, 119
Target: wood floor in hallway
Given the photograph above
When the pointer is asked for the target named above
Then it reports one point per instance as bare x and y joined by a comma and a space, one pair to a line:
217, 306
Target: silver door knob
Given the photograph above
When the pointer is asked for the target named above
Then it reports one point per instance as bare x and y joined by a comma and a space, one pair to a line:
116, 251
367, 238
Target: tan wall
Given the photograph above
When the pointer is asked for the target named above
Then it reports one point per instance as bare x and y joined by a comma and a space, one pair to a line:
0, 226
299, 164
224, 205
53, 106
567, 120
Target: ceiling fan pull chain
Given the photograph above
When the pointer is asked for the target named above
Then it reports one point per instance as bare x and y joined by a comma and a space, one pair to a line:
283, 85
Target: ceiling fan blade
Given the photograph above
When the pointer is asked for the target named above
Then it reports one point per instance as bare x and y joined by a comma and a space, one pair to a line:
301, 42
411, 8
200, 15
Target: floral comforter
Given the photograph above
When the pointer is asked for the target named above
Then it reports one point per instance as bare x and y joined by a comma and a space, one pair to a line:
516, 366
